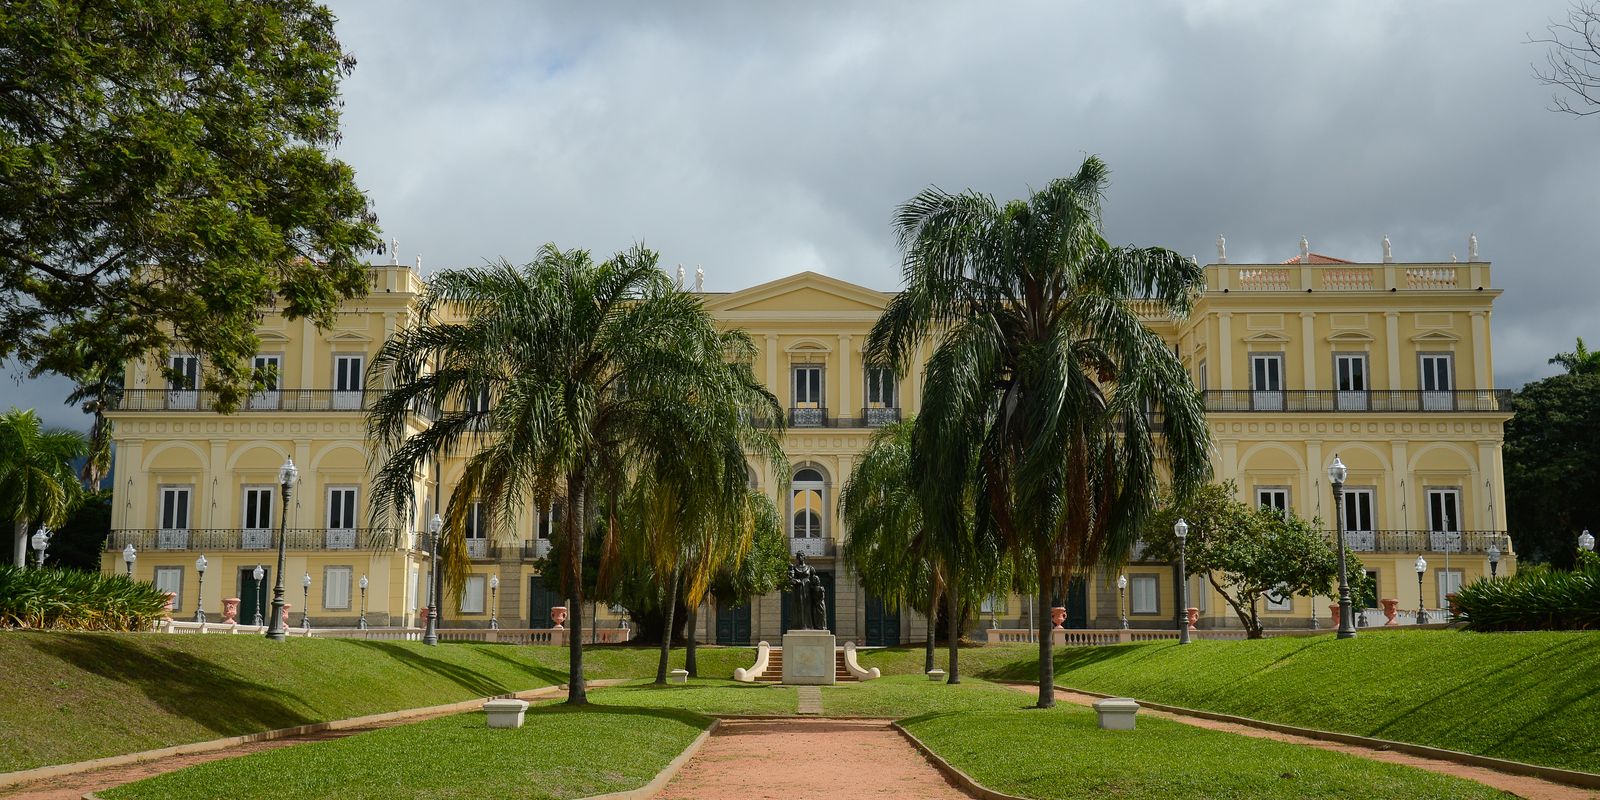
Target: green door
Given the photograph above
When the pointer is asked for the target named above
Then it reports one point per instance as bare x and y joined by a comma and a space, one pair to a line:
883, 624
827, 589
253, 596
540, 600
733, 625
1077, 604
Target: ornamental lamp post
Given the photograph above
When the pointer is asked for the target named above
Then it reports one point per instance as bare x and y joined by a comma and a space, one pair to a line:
1181, 530
431, 634
128, 556
362, 622
305, 601
287, 477
494, 604
200, 594
259, 574
1347, 617
1422, 613
41, 540
1122, 598
1494, 560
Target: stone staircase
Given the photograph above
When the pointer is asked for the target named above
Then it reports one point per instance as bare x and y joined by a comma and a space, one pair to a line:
774, 673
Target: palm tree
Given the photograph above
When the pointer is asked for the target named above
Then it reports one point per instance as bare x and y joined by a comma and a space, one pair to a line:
1582, 361
37, 484
1042, 369
582, 363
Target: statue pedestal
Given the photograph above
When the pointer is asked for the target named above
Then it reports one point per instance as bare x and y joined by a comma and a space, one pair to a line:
808, 658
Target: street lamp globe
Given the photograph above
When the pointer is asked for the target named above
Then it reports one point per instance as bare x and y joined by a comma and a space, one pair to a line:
363, 583
258, 573
306, 580
1421, 565
1494, 559
1337, 471
435, 525
1586, 541
41, 540
1181, 529
288, 475
128, 556
1122, 582
200, 564
494, 582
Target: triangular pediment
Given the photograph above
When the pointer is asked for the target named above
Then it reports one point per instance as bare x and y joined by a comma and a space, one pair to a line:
272, 336
1272, 337
804, 292
1350, 336
347, 336
1436, 336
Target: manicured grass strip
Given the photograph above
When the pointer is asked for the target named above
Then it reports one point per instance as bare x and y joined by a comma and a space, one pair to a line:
705, 696
558, 753
1060, 753
1532, 697
908, 695
75, 696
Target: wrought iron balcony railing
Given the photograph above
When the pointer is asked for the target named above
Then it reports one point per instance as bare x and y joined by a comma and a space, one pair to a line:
811, 546
222, 539
1472, 542
535, 548
1379, 401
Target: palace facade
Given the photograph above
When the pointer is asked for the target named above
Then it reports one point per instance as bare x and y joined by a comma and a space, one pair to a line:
1386, 365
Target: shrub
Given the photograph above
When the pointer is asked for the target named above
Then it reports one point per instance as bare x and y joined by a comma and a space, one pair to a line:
1534, 600
72, 600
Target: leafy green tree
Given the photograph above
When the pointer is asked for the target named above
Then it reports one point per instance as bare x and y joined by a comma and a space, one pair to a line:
1552, 466
1247, 553
192, 135
80, 541
1581, 361
1044, 370
581, 361
898, 557
37, 484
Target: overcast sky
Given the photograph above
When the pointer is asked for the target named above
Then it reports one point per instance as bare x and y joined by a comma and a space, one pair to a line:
756, 141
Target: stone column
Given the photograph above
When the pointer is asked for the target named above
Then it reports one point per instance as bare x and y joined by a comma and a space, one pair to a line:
1225, 350
1391, 338
1308, 350
847, 406
772, 367
1481, 379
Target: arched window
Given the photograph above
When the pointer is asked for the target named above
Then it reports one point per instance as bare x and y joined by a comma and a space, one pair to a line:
807, 504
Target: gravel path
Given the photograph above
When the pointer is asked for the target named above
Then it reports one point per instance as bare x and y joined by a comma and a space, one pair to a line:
798, 759
1519, 785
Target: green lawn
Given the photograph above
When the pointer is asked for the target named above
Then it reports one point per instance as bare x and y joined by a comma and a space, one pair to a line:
1531, 697
1061, 753
74, 696
705, 696
558, 753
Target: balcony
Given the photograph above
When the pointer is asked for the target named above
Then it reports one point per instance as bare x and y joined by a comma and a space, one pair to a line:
535, 548
811, 547
1471, 542
879, 417
1382, 401
818, 418
478, 548
275, 400
809, 418
230, 539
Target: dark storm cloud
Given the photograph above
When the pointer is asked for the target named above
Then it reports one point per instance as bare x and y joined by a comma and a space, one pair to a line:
756, 141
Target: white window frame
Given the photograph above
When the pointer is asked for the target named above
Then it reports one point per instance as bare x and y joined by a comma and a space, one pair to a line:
341, 516
185, 393
1279, 600
1266, 384
474, 591
257, 536
1359, 536
173, 530
347, 381
1200, 375
1436, 379
1352, 381
268, 398
1447, 582
882, 388
796, 489
1268, 496
1442, 536
336, 579
475, 530
807, 394
163, 574
1146, 584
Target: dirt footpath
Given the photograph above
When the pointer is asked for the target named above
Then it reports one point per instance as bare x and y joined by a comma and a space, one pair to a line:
788, 759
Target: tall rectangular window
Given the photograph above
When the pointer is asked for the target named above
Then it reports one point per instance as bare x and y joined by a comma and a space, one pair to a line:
341, 508
1358, 519
1444, 509
1279, 600
268, 368
1437, 381
1266, 381
1144, 593
808, 386
257, 504
347, 375
550, 520
170, 579
881, 388
472, 594
183, 381
1201, 379
175, 508
336, 588
1350, 381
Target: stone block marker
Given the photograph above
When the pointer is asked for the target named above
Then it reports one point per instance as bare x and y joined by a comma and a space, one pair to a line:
935, 674
678, 676
1116, 713
505, 712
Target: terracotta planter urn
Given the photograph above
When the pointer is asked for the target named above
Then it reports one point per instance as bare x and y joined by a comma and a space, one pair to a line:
558, 616
1333, 614
1450, 603
284, 617
166, 610
1058, 615
230, 610
1194, 616
1389, 606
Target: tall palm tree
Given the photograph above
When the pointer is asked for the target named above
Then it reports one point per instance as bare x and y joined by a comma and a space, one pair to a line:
37, 484
581, 361
1043, 361
1581, 361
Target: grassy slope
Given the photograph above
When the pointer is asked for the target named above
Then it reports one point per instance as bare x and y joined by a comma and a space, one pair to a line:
1527, 696
69, 696
554, 755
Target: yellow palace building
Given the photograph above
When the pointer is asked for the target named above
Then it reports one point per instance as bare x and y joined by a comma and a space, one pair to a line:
1386, 365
